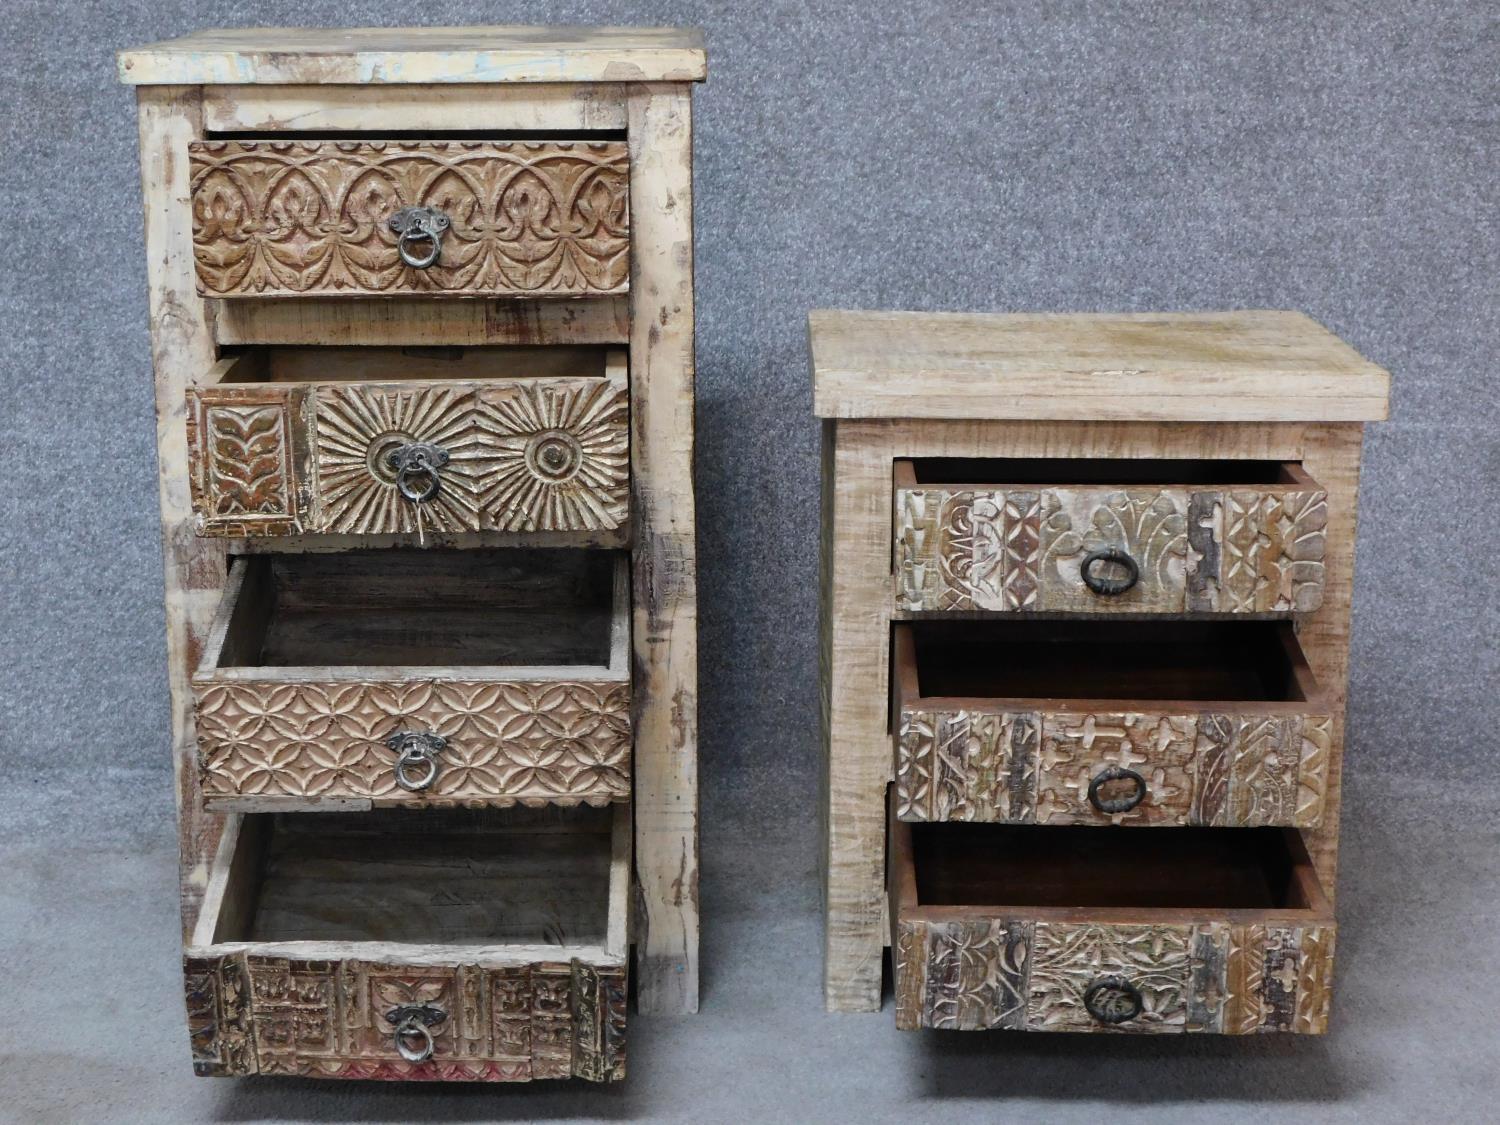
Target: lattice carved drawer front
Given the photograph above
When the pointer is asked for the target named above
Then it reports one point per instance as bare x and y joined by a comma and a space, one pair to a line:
368, 441
1255, 546
396, 218
370, 680
1000, 728
1226, 931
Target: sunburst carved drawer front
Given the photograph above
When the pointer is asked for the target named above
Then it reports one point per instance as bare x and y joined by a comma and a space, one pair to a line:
313, 218
1248, 539
417, 678
444, 947
1149, 723
310, 441
1085, 929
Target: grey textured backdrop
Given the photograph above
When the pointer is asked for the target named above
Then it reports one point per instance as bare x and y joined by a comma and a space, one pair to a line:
1335, 158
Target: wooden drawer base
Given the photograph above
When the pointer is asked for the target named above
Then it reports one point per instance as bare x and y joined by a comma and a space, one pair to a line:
1089, 929
503, 934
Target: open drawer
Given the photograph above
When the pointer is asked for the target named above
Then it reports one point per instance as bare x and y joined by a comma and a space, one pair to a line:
398, 677
416, 441
1087, 929
356, 217
471, 945
1108, 536
1109, 721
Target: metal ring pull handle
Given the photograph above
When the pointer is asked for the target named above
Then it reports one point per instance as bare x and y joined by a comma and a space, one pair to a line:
416, 465
419, 224
1108, 587
1116, 789
1113, 1000
413, 1035
416, 757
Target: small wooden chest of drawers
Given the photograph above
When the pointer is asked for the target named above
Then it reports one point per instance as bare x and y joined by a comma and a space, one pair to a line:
1085, 613
422, 324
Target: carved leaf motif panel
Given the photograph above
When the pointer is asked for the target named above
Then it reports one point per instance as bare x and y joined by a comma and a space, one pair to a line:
242, 475
558, 455
1068, 958
1007, 550
329, 1019
528, 219
547, 742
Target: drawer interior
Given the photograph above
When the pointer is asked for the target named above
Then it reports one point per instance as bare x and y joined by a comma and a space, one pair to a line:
262, 365
1075, 873
1038, 866
1001, 472
510, 608
1112, 659
522, 878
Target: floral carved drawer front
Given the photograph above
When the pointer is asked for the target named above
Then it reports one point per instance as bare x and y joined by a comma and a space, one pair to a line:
1022, 974
1195, 550
250, 1014
505, 743
525, 219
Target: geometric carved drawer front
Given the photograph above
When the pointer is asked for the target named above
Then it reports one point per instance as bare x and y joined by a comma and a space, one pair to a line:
1254, 549
300, 218
514, 742
497, 706
1013, 973
529, 455
249, 1014
1036, 767
1056, 757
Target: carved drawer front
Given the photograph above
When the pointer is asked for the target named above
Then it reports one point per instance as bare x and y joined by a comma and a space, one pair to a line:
409, 677
1086, 929
1248, 539
399, 218
528, 442
455, 948
1150, 723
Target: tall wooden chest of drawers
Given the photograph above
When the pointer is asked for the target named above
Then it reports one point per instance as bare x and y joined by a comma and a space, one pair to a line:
422, 324
1085, 610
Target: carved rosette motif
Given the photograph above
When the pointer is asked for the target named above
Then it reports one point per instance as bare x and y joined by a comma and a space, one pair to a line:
528, 219
328, 1019
1012, 550
1216, 977
1036, 767
358, 427
559, 455
532, 743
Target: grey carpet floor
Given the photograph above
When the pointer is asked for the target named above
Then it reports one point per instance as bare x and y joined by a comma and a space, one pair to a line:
92, 1004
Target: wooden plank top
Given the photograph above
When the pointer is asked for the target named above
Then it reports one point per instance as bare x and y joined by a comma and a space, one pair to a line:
1248, 366
392, 55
